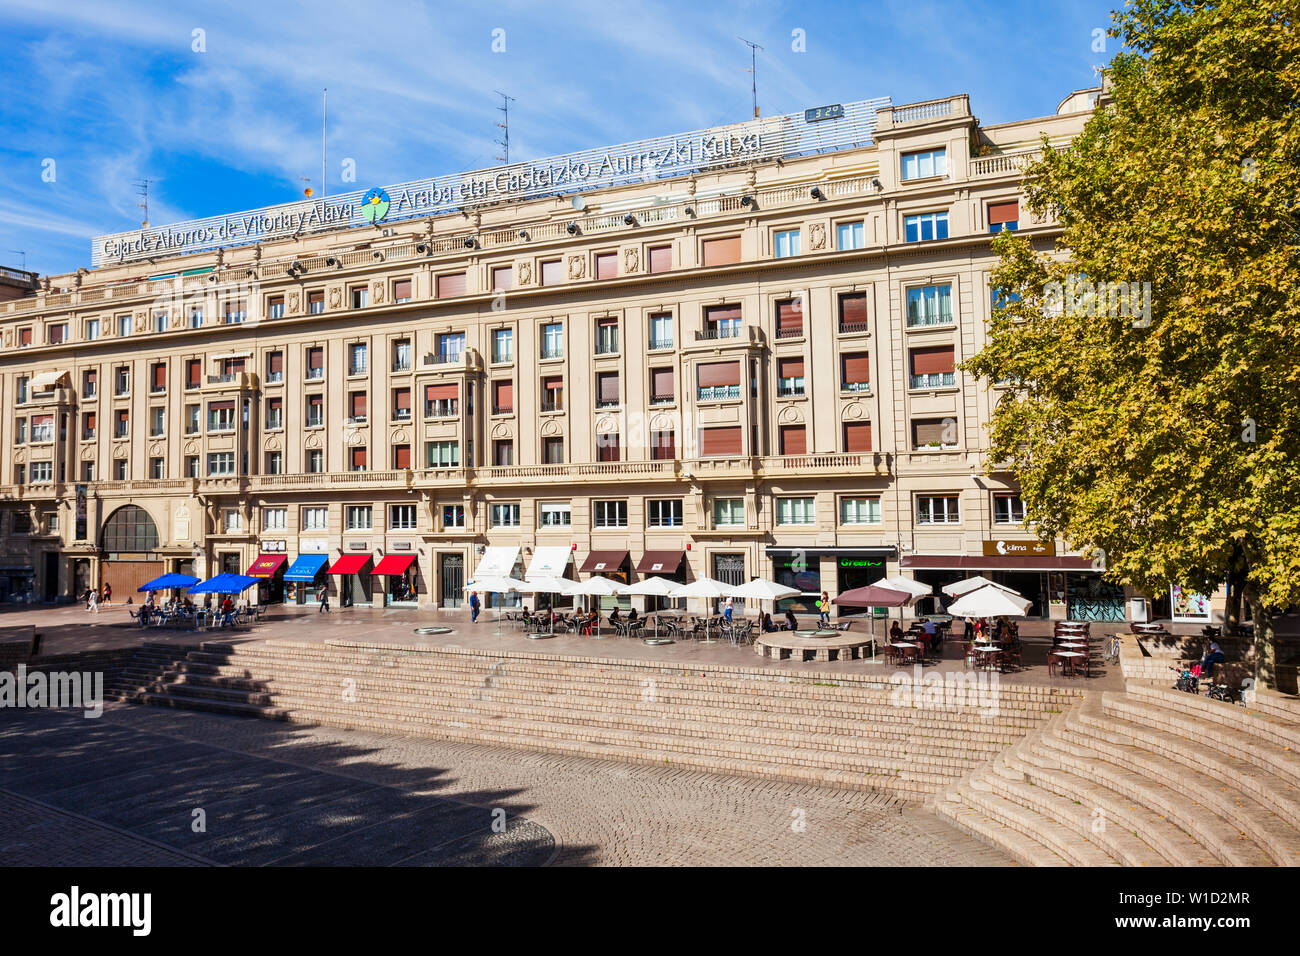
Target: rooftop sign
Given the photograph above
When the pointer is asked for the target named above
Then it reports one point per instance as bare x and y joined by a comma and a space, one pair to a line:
775, 137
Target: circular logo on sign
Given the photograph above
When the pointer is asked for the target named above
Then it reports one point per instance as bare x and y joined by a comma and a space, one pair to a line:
374, 205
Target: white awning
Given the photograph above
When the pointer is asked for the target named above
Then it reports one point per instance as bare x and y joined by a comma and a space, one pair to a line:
497, 562
44, 381
549, 562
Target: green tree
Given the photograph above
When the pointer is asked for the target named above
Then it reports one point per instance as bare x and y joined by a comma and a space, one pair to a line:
1168, 437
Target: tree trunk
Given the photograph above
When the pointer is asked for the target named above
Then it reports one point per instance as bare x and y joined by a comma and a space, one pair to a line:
1265, 645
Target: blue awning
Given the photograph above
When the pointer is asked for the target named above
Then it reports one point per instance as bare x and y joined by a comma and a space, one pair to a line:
305, 567
168, 581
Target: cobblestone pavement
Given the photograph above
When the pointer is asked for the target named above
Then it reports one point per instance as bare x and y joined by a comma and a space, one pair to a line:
597, 812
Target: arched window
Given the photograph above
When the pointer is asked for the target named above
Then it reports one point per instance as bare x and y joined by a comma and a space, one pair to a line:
130, 528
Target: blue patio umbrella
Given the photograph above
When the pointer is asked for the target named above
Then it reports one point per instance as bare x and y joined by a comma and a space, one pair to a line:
225, 584
168, 581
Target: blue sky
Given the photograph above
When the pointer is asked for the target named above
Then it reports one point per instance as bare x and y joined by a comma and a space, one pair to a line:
114, 92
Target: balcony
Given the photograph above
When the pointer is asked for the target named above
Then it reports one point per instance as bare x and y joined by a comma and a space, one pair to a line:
231, 381
442, 408
465, 360
791, 333
715, 332
717, 393
324, 481
933, 380
850, 327
874, 463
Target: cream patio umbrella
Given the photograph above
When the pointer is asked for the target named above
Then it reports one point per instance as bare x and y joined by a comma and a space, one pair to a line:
600, 586
703, 588
653, 587
762, 589
990, 601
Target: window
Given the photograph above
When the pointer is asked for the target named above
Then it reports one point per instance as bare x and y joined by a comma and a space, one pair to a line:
119, 469
1004, 215
555, 514
608, 447
275, 367
1008, 509
316, 302
88, 424
787, 243
661, 330
660, 259
130, 528
450, 285
195, 317
609, 514
721, 252
789, 377
124, 324
402, 355
606, 336
315, 519
20, 435
42, 428
551, 272
358, 517
663, 445
929, 305
92, 329
664, 513
851, 235
57, 333
191, 466
503, 397
606, 389
453, 516
235, 312
924, 164
662, 386
503, 278
121, 380
503, 452
553, 340
157, 421
402, 291
87, 471
794, 440
315, 362
357, 358
275, 519
553, 451
158, 377
121, 425
232, 520
450, 346
721, 321
25, 338
552, 393
796, 510
22, 389
221, 463
356, 408
932, 367
934, 433
315, 462
401, 517
221, 416
401, 457
728, 512
789, 318
192, 419
274, 413
440, 401
442, 454
356, 459
503, 345
937, 509
855, 372
723, 442
20, 477
930, 225
89, 384
859, 511
275, 463
857, 436
607, 265
505, 515
160, 321
401, 404
42, 472
717, 381
275, 306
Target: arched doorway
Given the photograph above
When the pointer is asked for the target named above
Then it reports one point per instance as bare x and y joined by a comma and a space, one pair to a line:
129, 540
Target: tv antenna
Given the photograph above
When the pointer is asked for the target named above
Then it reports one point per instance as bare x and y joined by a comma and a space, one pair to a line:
142, 190
753, 70
22, 253
504, 126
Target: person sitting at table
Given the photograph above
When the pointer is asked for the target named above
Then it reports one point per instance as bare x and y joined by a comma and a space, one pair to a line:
631, 616
968, 632
791, 623
614, 616
895, 632
227, 609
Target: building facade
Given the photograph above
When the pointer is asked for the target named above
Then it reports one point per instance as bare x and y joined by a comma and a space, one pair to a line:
744, 371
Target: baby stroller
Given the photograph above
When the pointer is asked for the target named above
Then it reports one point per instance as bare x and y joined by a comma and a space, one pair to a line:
1187, 677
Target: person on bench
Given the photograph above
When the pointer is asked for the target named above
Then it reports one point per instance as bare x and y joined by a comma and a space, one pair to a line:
1213, 656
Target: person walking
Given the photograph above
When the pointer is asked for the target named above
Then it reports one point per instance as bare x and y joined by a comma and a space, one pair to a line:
92, 600
474, 607
726, 610
824, 610
108, 595
323, 596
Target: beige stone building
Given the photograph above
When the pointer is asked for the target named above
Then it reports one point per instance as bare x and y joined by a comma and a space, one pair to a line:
748, 370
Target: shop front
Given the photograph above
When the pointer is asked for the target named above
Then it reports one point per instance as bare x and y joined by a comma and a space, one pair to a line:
1059, 588
499, 561
354, 583
17, 582
305, 575
671, 565
269, 570
617, 566
833, 570
399, 574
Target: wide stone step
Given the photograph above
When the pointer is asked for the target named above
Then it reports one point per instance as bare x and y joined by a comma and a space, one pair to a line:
1228, 720
1060, 842
991, 830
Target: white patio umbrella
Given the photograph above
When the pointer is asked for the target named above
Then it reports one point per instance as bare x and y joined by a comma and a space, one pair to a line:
499, 585
703, 588
600, 585
899, 583
989, 601
958, 588
762, 589
653, 587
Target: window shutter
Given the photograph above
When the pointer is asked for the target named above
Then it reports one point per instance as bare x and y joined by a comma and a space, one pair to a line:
159, 377
358, 404
932, 361
857, 436
402, 400
438, 393
503, 395
857, 368
401, 456
551, 274
607, 265
712, 374
275, 364
794, 440
1000, 212
358, 458
662, 387
220, 406
721, 313
853, 310
722, 252
718, 442
789, 317
90, 421
193, 372
552, 382
450, 285
315, 358
661, 259
927, 431
790, 368
608, 384
402, 289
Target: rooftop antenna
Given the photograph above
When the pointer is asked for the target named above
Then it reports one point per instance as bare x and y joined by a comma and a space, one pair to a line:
753, 70
23, 254
142, 190
504, 142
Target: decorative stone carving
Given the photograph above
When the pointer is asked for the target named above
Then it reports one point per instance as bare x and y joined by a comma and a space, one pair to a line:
606, 424
854, 411
790, 415
9, 338
181, 522
525, 273
336, 297
191, 448
399, 437
551, 428
294, 304
503, 430
313, 440
817, 236
156, 449
577, 267
631, 260
272, 443
378, 292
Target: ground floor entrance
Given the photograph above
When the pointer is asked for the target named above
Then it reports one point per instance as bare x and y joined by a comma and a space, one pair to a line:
451, 580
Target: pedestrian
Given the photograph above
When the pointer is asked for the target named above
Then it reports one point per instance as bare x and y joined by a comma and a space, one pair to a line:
791, 622
726, 610
108, 595
92, 600
323, 595
474, 607
824, 610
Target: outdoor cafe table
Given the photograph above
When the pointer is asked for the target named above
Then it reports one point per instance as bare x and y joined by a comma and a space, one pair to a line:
1073, 654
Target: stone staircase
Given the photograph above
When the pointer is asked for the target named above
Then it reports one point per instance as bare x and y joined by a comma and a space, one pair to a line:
1147, 777
829, 729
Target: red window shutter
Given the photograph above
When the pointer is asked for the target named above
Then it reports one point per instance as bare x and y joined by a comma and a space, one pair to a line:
358, 458
450, 285
661, 259
438, 393
193, 373
275, 363
607, 383
790, 368
720, 442
90, 421
722, 252
663, 445
357, 402
315, 358
503, 279
713, 374
401, 456
402, 289
794, 440
503, 396
552, 382
402, 400
857, 367
721, 313
853, 310
857, 436
551, 272
789, 317
932, 361
607, 265
159, 377
661, 388
92, 378
607, 448
24, 336
1000, 212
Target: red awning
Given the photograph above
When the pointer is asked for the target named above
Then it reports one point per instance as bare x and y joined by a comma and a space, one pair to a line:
394, 564
604, 562
349, 564
266, 565
660, 562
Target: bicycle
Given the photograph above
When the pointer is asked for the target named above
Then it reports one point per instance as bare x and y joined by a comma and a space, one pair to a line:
1112, 650
1185, 679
